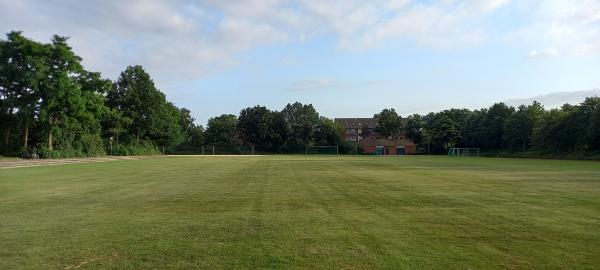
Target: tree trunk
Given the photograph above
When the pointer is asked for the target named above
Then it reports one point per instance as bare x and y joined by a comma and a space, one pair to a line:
26, 135
51, 122
50, 141
7, 136
8, 128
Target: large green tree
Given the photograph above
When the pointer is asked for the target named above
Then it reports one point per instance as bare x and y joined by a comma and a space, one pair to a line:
44, 88
260, 126
548, 132
301, 121
278, 130
494, 125
443, 131
71, 102
414, 128
193, 134
518, 128
22, 69
485, 128
221, 130
152, 117
591, 107
389, 122
252, 124
165, 129
328, 132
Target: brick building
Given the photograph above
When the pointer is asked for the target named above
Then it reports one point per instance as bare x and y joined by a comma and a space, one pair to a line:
362, 131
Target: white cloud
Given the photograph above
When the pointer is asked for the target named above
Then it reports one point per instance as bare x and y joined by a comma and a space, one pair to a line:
325, 84
549, 53
439, 24
180, 38
573, 28
556, 99
486, 5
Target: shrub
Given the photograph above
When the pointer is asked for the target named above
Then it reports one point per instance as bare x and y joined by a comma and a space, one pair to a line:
142, 149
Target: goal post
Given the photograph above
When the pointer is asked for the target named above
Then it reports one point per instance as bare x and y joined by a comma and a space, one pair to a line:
227, 150
463, 152
322, 150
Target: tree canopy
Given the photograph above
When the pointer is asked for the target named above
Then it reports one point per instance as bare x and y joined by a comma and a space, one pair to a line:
50, 102
301, 121
566, 130
389, 122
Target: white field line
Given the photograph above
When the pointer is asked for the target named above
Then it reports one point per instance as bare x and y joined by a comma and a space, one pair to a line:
50, 162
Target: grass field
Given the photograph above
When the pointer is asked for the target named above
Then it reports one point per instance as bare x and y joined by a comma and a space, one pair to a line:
302, 212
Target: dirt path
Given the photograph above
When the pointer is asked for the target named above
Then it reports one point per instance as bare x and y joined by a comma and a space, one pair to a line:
23, 163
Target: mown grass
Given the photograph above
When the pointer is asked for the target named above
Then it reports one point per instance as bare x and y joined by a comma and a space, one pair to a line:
302, 212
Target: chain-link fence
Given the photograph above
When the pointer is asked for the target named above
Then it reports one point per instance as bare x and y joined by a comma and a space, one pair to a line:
347, 149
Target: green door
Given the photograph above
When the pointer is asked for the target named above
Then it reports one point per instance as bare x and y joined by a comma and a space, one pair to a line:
400, 150
379, 150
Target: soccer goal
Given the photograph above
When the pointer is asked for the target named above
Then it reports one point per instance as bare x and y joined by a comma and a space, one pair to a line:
322, 150
463, 152
227, 150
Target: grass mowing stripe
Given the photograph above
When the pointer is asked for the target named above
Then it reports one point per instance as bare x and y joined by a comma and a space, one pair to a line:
302, 212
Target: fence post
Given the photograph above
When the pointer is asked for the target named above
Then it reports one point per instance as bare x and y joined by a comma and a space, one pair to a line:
213, 150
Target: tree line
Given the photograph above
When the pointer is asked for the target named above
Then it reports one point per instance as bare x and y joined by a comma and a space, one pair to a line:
570, 129
294, 127
50, 103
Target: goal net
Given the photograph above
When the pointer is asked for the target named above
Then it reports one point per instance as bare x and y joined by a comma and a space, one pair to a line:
227, 150
322, 150
463, 152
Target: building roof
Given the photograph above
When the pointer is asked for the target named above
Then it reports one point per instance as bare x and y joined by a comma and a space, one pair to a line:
362, 122
357, 122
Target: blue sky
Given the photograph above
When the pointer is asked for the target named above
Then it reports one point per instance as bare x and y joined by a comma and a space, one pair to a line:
349, 58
